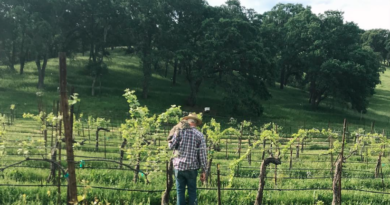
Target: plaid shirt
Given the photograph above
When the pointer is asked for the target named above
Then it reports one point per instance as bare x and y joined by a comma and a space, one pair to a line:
190, 142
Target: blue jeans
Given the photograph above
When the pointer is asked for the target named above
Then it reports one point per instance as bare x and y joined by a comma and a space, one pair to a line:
183, 179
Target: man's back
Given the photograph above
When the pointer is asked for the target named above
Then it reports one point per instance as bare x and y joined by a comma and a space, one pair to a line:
190, 142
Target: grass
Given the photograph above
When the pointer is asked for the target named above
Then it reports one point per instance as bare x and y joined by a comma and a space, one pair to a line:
288, 108
310, 171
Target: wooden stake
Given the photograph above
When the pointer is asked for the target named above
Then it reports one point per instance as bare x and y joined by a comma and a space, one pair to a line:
338, 171
291, 152
226, 146
219, 185
72, 184
263, 174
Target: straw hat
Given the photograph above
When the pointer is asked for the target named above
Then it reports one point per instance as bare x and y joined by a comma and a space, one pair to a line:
193, 116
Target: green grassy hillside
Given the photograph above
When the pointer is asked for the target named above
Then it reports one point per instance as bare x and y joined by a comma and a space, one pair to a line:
287, 107
308, 181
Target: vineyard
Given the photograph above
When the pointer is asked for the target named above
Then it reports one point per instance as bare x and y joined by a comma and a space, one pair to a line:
293, 102
128, 162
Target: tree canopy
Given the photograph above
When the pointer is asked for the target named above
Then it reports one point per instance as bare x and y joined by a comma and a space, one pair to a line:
236, 49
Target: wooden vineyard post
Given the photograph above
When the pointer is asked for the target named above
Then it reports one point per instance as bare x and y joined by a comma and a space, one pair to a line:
383, 182
105, 148
378, 165
208, 175
338, 172
250, 152
219, 185
239, 141
297, 154
263, 174
226, 146
45, 138
52, 126
72, 184
262, 157
136, 171
71, 113
82, 128
291, 153
59, 174
169, 183
276, 166
97, 137
59, 158
53, 153
331, 155
384, 145
206, 140
122, 152
372, 126
89, 134
97, 140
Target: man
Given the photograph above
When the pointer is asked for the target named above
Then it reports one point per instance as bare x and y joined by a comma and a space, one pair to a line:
189, 155
183, 124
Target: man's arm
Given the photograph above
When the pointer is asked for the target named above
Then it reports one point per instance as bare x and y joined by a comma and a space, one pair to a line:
175, 140
203, 154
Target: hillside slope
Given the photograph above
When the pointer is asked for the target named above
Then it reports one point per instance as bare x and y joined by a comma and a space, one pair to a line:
287, 107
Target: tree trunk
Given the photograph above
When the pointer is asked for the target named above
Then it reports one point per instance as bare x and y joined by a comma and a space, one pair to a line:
41, 71
93, 86
263, 175
90, 52
180, 69
22, 59
38, 64
11, 56
100, 85
194, 86
147, 64
166, 68
282, 76
147, 76
22, 55
174, 72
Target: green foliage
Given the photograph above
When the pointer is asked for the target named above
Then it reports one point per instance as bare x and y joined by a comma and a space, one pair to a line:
3, 119
74, 99
267, 132
135, 130
304, 134
93, 122
40, 118
170, 116
78, 123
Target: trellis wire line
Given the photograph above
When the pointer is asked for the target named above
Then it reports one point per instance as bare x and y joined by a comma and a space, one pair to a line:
271, 177
200, 188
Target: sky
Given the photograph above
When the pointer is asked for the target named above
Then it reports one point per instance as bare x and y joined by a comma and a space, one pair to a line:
367, 14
